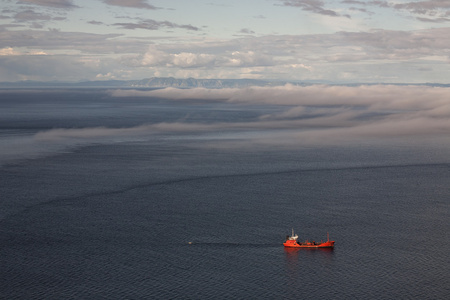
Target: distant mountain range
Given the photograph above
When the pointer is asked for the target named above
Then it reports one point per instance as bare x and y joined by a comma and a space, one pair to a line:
163, 82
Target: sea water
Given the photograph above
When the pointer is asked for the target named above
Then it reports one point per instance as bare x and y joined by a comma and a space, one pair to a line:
91, 210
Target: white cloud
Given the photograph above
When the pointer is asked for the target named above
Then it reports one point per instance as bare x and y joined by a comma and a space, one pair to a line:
301, 66
155, 57
247, 58
9, 51
188, 60
106, 76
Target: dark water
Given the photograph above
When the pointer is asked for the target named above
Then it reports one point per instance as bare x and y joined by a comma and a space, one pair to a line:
167, 216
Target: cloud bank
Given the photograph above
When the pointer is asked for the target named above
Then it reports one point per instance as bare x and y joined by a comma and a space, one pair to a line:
274, 117
305, 115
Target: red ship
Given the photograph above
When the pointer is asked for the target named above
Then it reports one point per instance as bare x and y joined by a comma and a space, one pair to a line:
291, 241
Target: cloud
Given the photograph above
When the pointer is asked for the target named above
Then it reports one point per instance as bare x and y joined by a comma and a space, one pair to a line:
293, 116
50, 3
435, 20
88, 133
155, 57
180, 94
30, 15
93, 22
315, 56
299, 66
246, 31
155, 25
424, 7
9, 51
374, 3
325, 106
315, 6
248, 58
437, 11
130, 3
106, 76
379, 98
379, 54
285, 116
354, 53
395, 46
187, 60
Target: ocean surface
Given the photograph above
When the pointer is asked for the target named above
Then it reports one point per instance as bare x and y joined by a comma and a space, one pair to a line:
97, 202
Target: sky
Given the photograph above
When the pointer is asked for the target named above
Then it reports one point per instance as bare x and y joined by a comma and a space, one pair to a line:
336, 41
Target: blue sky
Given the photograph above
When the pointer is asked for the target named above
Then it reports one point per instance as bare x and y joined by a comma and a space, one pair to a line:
401, 41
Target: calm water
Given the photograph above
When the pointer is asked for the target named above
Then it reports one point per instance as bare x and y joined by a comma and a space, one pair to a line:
96, 213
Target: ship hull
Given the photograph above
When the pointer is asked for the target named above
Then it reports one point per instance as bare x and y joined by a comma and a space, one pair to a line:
309, 246
295, 244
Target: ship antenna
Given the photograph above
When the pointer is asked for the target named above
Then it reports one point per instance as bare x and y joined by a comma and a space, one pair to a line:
328, 237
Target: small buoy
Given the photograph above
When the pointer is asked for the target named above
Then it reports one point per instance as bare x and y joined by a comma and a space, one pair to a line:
190, 243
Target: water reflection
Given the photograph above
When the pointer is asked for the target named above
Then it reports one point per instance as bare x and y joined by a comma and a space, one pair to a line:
300, 262
293, 253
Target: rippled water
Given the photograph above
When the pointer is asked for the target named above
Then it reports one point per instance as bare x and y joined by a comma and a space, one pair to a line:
165, 218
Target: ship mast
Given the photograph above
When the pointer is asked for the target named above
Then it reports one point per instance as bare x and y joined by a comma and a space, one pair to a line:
293, 237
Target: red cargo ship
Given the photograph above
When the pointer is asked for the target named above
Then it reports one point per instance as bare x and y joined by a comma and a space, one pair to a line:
291, 241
